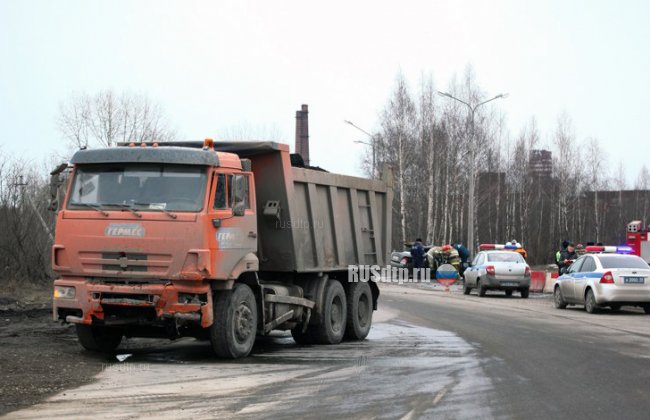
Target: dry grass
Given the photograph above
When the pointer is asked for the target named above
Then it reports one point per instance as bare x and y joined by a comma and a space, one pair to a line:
23, 293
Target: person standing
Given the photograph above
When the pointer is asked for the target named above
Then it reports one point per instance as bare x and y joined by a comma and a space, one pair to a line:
417, 254
463, 252
558, 255
567, 257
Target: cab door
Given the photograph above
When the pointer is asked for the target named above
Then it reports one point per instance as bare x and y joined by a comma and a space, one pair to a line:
234, 223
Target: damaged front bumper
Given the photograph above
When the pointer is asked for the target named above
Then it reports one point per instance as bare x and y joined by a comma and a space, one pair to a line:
99, 302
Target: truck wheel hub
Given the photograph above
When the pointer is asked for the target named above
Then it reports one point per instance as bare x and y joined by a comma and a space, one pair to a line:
243, 322
363, 310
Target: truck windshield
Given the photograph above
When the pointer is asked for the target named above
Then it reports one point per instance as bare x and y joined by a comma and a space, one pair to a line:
146, 187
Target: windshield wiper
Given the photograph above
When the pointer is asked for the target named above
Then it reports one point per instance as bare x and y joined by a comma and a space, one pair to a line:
167, 212
92, 206
123, 206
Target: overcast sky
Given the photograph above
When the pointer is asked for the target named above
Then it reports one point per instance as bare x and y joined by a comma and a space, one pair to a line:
215, 65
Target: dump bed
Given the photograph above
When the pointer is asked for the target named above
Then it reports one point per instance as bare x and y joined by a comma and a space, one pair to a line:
310, 220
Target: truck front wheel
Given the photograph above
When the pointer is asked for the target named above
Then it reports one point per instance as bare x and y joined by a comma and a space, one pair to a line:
359, 317
233, 331
98, 338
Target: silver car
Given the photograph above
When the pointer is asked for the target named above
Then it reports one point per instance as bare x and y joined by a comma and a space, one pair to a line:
498, 270
599, 280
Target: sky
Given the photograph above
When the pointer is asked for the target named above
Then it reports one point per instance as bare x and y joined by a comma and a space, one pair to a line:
216, 66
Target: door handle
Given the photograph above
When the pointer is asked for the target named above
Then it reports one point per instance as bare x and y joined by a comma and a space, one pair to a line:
252, 234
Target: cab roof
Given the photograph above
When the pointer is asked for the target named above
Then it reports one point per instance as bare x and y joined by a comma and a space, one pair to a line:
224, 154
138, 154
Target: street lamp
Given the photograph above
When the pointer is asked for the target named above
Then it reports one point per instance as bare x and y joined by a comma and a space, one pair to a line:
472, 157
371, 144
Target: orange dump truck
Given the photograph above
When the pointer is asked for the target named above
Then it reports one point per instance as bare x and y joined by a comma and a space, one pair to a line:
222, 241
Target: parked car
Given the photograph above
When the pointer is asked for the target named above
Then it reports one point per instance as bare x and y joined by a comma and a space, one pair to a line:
403, 259
498, 270
604, 280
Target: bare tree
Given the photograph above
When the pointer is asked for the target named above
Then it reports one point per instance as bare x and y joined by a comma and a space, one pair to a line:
594, 165
398, 126
25, 242
426, 141
106, 118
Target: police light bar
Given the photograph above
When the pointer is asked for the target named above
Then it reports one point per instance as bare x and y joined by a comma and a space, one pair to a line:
486, 247
610, 249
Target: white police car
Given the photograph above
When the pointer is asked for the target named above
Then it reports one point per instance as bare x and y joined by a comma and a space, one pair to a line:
607, 276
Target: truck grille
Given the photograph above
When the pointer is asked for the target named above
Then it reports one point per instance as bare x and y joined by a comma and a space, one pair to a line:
126, 262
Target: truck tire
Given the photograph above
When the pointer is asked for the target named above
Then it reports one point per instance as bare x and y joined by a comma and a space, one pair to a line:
332, 325
359, 314
233, 331
98, 338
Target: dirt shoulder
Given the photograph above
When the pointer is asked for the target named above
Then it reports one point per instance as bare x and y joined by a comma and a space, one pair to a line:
39, 357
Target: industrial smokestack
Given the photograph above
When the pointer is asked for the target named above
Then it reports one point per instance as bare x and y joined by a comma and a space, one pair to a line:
302, 134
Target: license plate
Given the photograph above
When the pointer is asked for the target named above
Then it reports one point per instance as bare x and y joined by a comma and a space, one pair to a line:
634, 280
509, 283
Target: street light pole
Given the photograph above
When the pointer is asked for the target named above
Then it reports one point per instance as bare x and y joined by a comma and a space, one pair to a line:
472, 170
371, 144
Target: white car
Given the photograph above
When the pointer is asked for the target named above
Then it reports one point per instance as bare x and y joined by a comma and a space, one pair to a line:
604, 280
498, 270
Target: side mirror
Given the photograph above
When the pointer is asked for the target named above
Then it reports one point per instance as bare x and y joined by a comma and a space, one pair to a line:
239, 192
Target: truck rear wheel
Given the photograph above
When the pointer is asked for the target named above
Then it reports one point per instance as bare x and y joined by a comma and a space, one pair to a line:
98, 338
359, 314
233, 331
332, 325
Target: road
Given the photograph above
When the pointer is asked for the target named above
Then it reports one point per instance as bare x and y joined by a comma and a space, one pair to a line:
430, 354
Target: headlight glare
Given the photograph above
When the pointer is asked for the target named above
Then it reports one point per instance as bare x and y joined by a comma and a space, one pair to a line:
64, 292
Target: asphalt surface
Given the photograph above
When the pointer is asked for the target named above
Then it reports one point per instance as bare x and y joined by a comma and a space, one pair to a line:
431, 354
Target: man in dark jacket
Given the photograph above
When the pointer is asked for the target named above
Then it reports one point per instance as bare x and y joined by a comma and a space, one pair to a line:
567, 257
417, 254
463, 253
558, 254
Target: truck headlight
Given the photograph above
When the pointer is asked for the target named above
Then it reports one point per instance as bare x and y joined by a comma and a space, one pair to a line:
64, 292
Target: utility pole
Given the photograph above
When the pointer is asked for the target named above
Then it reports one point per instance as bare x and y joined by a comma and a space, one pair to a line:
372, 144
22, 184
472, 158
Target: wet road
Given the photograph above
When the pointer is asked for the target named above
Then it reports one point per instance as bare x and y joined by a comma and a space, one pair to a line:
430, 354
